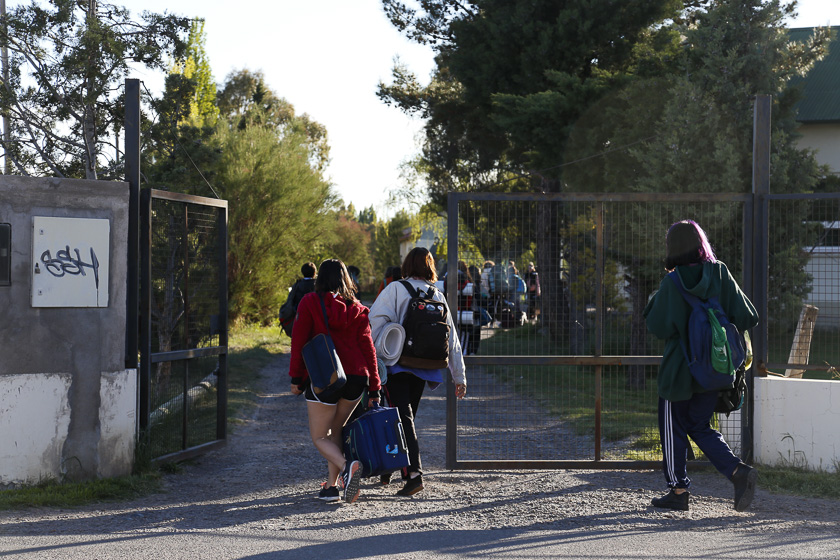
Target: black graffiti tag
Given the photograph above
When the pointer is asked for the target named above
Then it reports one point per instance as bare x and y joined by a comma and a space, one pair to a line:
64, 263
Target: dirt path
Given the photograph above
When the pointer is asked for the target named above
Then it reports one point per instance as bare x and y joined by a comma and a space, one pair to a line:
264, 482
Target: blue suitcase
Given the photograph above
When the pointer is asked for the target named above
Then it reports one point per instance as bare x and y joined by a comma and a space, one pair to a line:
376, 439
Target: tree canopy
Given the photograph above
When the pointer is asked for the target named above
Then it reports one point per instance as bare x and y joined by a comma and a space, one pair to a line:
608, 96
67, 64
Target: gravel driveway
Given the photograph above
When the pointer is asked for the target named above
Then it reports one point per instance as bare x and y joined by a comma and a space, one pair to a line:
255, 498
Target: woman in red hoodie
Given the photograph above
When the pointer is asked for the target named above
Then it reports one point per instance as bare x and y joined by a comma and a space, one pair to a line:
350, 331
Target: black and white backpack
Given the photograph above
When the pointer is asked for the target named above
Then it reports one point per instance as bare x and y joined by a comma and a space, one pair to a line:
426, 330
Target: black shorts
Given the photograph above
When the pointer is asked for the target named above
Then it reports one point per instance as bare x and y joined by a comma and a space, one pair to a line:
352, 390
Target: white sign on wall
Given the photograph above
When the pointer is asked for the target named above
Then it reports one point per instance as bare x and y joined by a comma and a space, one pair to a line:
70, 262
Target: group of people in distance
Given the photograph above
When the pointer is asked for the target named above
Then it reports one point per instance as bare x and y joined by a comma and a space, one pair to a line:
685, 408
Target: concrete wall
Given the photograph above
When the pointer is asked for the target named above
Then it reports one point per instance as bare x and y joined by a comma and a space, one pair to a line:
824, 139
796, 422
67, 403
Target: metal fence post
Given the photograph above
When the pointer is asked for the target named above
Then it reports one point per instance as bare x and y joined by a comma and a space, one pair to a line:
452, 299
132, 177
760, 263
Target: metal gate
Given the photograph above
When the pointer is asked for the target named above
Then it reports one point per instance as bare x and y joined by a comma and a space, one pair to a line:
183, 324
567, 378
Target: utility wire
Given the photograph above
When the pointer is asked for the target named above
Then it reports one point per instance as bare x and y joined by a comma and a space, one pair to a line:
189, 157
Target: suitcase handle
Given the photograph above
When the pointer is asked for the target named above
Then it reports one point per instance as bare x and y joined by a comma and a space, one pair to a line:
398, 428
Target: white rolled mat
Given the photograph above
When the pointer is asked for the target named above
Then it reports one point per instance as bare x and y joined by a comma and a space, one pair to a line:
389, 343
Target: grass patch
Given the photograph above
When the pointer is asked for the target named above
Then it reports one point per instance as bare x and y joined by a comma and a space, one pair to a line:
797, 481
52, 493
250, 349
568, 392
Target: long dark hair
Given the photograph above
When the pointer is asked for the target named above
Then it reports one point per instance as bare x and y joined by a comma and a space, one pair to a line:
462, 267
418, 263
333, 277
687, 243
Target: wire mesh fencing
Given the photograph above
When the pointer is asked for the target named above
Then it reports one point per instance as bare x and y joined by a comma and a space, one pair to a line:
804, 281
561, 367
184, 335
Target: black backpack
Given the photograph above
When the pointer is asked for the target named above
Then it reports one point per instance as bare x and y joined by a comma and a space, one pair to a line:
288, 310
426, 330
732, 399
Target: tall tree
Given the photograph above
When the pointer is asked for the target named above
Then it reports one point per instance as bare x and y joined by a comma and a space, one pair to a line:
179, 152
660, 92
68, 60
512, 79
691, 130
281, 205
246, 99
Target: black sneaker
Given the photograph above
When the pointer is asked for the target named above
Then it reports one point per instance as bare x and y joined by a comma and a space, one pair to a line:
672, 500
329, 494
385, 479
412, 486
744, 481
351, 477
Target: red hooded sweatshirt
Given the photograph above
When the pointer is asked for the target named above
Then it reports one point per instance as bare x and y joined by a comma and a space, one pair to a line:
350, 331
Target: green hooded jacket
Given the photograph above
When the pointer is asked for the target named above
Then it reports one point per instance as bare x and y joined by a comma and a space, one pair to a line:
666, 316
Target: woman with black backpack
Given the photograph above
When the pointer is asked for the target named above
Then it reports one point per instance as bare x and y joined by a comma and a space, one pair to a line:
431, 347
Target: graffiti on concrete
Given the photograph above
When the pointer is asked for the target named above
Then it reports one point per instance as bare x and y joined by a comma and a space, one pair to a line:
71, 258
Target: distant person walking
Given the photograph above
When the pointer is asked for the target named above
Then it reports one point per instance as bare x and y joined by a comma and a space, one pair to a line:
350, 331
475, 337
391, 273
299, 289
465, 317
685, 408
532, 280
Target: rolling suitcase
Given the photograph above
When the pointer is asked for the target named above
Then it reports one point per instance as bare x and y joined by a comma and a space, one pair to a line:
376, 439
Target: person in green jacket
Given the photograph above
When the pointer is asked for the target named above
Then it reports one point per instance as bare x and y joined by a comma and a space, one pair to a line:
685, 408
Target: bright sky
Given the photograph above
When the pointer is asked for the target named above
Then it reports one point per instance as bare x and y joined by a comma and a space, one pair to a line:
326, 57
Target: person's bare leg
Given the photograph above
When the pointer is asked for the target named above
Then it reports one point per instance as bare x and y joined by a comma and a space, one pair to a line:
321, 418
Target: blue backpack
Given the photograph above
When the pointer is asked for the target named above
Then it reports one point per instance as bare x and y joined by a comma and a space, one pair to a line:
715, 349
519, 284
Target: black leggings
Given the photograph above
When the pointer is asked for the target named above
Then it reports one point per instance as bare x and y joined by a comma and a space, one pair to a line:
404, 391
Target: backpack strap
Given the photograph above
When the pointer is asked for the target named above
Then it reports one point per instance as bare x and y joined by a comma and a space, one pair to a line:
414, 292
691, 299
324, 309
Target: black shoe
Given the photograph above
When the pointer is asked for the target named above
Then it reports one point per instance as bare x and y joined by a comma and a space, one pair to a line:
411, 487
385, 479
672, 500
329, 494
744, 481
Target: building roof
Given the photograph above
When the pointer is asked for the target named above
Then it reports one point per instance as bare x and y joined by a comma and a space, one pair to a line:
821, 91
